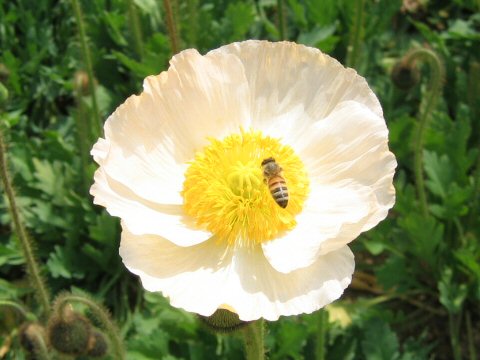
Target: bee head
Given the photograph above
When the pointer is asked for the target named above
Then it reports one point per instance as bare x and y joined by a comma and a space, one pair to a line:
268, 160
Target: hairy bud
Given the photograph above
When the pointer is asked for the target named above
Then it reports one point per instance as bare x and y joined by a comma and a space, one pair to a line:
69, 333
97, 344
405, 76
223, 321
81, 83
32, 338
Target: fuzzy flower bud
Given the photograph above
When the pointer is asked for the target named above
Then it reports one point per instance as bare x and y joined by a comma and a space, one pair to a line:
405, 76
97, 344
32, 338
70, 333
223, 321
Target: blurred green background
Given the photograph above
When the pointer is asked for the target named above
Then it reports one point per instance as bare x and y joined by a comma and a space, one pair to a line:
416, 290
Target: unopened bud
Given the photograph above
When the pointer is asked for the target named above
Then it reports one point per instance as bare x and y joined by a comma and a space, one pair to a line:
81, 83
32, 338
97, 344
69, 333
223, 321
4, 73
405, 76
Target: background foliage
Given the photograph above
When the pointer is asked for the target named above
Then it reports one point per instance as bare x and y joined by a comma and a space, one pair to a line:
416, 290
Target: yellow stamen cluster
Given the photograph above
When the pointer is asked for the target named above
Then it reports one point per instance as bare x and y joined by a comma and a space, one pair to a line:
225, 191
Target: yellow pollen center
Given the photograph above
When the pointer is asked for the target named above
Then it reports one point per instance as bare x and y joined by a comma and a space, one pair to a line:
226, 193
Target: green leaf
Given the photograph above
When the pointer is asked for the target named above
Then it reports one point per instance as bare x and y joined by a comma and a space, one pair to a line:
320, 36
452, 293
425, 235
105, 229
238, 19
439, 171
380, 342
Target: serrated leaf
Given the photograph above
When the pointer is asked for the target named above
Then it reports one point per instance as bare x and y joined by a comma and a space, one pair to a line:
380, 342
425, 235
439, 171
452, 293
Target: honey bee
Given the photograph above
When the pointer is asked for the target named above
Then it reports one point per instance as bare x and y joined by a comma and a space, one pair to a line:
277, 185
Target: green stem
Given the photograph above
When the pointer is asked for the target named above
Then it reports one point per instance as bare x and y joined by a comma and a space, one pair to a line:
136, 29
281, 19
433, 92
171, 26
82, 138
18, 307
471, 339
97, 122
101, 314
356, 34
473, 95
457, 354
192, 27
322, 324
41, 351
33, 270
253, 335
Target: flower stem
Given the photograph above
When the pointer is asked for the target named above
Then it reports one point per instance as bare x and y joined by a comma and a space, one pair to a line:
322, 324
454, 341
83, 138
96, 123
356, 34
471, 338
33, 270
101, 314
171, 25
135, 26
253, 335
281, 19
40, 350
433, 92
18, 307
473, 95
192, 22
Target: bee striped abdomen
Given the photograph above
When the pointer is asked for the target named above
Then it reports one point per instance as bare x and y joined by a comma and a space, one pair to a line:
278, 188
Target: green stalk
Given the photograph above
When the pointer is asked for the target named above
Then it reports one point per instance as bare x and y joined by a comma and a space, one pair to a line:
281, 20
192, 27
433, 92
171, 26
33, 270
83, 138
97, 122
322, 324
471, 339
473, 95
253, 335
136, 29
454, 341
41, 351
18, 307
101, 314
356, 34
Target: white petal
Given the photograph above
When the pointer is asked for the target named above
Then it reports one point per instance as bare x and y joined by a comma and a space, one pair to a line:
351, 172
100, 150
208, 276
293, 85
350, 148
328, 214
152, 136
143, 217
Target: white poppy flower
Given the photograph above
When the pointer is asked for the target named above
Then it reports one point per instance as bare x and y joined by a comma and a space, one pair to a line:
181, 166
